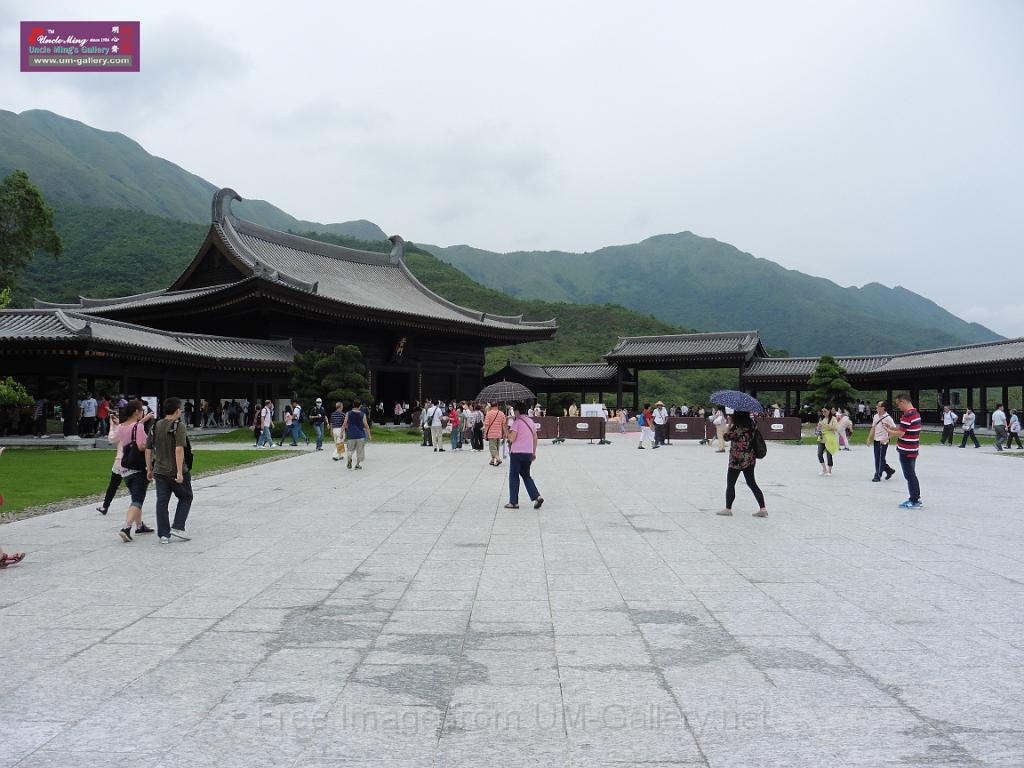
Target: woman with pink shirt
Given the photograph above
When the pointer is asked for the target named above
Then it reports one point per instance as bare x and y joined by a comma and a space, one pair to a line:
132, 429
521, 434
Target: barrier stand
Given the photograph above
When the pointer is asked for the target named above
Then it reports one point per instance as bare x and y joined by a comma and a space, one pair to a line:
604, 434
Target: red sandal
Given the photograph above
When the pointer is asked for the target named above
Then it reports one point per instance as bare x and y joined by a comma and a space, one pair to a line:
6, 560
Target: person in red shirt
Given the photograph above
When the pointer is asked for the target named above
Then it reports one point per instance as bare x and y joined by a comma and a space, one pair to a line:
103, 414
909, 433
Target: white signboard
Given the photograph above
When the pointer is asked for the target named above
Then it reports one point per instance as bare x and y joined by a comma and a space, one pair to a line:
592, 410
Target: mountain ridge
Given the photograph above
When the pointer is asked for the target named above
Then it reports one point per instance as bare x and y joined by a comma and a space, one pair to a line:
76, 165
693, 281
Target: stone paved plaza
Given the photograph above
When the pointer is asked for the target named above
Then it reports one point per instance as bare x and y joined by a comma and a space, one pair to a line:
400, 617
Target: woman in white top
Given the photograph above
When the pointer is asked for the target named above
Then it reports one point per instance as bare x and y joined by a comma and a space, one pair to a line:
844, 424
721, 424
1014, 429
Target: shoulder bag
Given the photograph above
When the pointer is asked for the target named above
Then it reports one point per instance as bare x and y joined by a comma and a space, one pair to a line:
133, 457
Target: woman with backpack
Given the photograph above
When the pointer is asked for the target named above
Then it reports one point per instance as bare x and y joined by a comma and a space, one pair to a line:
131, 440
742, 459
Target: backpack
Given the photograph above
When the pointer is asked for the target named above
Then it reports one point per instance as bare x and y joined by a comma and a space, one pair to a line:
640, 418
758, 443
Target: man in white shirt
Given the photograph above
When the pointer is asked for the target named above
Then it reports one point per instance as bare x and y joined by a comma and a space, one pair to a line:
89, 406
999, 425
660, 424
949, 418
433, 418
266, 425
878, 438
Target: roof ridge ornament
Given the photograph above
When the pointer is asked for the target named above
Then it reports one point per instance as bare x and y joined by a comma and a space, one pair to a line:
221, 207
397, 254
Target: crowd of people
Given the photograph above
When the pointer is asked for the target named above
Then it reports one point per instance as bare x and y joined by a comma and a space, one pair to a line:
155, 450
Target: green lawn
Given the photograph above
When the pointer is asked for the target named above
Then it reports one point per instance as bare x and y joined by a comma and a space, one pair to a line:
380, 435
31, 477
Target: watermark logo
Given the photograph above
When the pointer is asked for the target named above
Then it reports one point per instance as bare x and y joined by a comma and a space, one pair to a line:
79, 46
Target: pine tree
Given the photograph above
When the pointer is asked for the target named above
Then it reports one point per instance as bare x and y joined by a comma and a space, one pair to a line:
829, 386
336, 377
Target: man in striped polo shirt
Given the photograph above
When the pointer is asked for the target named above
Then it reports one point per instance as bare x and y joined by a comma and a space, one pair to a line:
909, 433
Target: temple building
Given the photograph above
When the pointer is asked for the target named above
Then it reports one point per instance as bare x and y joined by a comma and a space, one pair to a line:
229, 325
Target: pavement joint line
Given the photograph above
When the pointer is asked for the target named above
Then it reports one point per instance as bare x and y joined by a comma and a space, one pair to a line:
663, 681
366, 651
469, 618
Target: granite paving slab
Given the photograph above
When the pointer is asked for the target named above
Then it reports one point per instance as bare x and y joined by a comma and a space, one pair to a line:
401, 616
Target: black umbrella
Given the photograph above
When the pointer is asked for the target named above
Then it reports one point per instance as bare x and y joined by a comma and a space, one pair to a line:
738, 401
504, 392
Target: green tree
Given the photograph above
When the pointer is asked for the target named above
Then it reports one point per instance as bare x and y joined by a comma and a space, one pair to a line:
13, 393
829, 385
5, 297
338, 376
306, 384
26, 227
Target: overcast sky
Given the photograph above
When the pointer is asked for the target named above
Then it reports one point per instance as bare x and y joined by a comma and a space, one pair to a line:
861, 141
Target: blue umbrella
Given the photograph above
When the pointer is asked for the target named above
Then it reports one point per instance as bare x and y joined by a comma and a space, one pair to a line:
738, 401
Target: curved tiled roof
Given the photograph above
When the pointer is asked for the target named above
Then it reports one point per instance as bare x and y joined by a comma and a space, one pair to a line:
596, 372
379, 281
699, 346
1006, 353
58, 325
788, 367
148, 299
990, 353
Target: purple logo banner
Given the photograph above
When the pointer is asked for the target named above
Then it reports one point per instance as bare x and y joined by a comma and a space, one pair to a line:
79, 46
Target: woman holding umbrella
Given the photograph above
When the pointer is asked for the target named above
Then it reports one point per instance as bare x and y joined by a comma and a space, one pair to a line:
742, 458
522, 441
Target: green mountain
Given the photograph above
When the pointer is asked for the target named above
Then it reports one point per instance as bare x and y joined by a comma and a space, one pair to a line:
699, 282
76, 166
114, 252
684, 280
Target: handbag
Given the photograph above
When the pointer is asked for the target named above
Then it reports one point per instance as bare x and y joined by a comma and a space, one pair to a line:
133, 457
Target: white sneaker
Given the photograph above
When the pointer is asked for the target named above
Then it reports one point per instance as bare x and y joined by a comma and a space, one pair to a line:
822, 473
165, 540
180, 535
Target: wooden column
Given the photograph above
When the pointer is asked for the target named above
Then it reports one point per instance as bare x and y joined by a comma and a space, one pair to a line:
198, 389
970, 398
788, 412
71, 414
1006, 398
618, 388
254, 404
983, 405
164, 393
797, 403
636, 390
